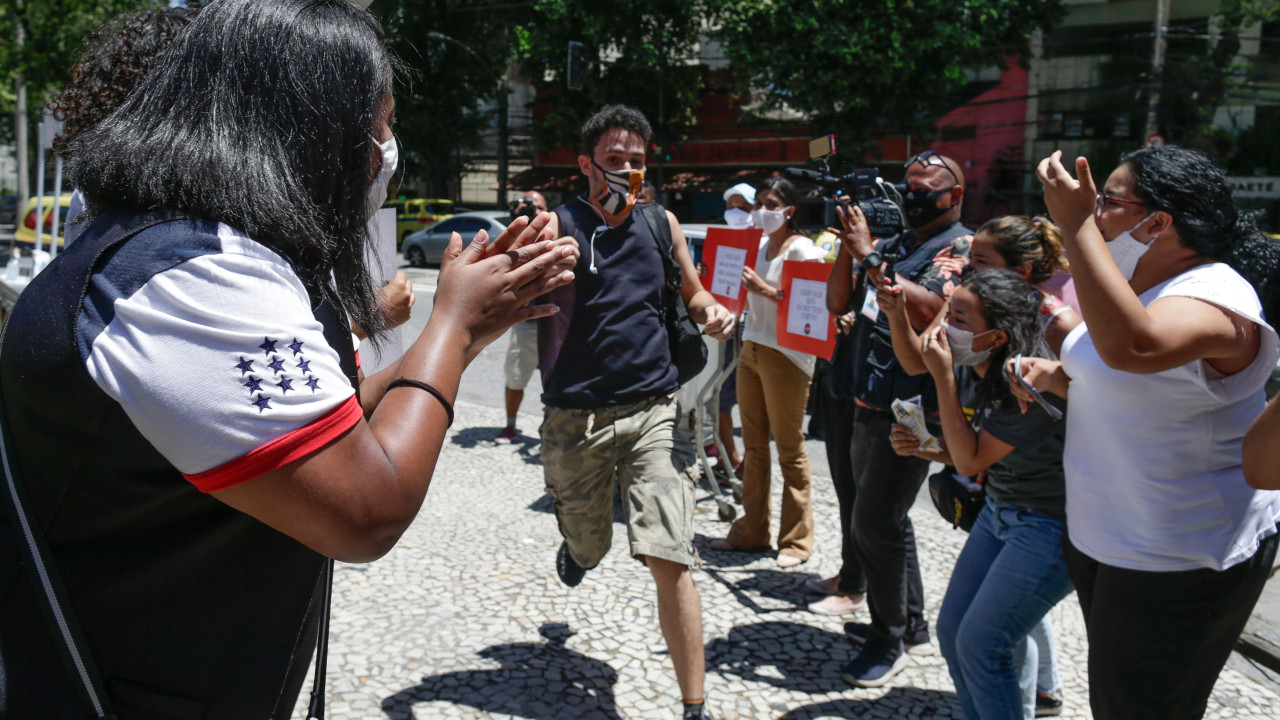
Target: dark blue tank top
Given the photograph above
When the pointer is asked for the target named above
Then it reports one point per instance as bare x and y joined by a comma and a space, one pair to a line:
607, 345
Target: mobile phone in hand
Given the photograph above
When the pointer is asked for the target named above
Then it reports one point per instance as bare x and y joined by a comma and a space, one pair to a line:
1053, 412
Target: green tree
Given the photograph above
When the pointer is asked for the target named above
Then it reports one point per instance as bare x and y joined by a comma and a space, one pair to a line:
456, 52
639, 53
857, 68
54, 31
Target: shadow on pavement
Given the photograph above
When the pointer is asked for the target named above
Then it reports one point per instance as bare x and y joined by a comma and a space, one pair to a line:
526, 446
894, 703
540, 681
546, 504
780, 585
786, 655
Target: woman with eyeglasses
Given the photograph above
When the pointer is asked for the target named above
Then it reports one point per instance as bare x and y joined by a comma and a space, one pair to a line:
1167, 545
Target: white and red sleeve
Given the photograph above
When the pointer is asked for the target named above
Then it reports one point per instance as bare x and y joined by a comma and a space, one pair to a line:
221, 365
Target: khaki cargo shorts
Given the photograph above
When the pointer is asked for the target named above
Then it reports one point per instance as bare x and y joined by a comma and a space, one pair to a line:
584, 451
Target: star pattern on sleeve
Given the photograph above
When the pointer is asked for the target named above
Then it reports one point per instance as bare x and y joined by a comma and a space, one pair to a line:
261, 393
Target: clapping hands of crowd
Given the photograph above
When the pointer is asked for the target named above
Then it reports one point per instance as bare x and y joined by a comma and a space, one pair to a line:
487, 287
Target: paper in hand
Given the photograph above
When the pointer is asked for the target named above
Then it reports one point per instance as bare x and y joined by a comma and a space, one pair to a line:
911, 414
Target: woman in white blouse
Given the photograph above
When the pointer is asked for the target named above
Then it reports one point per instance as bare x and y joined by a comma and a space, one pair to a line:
773, 389
1167, 545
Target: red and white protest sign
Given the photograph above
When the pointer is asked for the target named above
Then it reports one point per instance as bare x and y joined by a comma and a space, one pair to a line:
724, 253
803, 321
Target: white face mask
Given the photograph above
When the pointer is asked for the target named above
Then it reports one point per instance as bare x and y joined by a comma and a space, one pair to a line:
1126, 250
377, 192
737, 218
768, 220
961, 341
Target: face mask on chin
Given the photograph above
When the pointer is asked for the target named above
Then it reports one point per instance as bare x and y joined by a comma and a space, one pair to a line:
961, 341
622, 187
921, 206
376, 194
1126, 250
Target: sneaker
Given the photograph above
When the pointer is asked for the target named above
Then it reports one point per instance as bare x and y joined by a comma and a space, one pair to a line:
915, 643
839, 605
569, 571
697, 712
506, 436
1048, 704
874, 665
829, 586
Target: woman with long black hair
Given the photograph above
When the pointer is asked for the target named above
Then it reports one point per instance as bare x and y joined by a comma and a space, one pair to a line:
183, 411
1167, 545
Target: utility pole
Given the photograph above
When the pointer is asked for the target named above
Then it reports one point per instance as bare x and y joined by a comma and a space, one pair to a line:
504, 143
20, 115
1157, 69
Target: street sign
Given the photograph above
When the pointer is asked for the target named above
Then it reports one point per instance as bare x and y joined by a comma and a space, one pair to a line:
1154, 141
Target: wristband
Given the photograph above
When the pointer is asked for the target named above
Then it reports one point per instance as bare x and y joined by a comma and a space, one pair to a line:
406, 382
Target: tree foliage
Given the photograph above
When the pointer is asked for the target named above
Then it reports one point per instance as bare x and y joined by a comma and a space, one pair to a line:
455, 53
54, 31
857, 68
640, 54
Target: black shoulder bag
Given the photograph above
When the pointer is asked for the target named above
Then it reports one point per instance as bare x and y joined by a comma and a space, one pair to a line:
688, 351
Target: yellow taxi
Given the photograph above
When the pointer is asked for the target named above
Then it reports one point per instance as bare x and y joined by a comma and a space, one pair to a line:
25, 234
414, 214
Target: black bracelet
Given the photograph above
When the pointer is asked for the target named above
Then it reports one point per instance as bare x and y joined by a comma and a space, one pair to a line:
406, 382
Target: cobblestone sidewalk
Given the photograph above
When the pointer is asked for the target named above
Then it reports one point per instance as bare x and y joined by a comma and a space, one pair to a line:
466, 618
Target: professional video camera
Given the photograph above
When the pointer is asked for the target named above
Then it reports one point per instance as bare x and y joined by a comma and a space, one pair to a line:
880, 201
522, 206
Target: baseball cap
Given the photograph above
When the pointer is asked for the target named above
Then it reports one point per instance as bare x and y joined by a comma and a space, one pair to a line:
746, 191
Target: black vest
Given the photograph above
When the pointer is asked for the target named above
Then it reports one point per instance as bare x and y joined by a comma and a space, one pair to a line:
608, 344
190, 608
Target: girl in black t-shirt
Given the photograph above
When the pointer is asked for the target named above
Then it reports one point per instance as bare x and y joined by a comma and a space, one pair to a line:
1011, 570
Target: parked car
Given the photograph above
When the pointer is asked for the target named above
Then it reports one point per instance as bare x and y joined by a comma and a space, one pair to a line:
25, 234
416, 214
427, 246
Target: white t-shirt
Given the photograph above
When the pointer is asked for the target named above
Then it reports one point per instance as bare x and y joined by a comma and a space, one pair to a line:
1153, 461
762, 313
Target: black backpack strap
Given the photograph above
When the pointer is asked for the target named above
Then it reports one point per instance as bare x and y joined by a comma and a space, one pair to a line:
656, 218
47, 585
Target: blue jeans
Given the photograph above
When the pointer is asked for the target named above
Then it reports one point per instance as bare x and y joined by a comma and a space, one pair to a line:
1009, 574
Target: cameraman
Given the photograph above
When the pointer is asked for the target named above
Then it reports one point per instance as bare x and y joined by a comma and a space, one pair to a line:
884, 483
522, 348
529, 206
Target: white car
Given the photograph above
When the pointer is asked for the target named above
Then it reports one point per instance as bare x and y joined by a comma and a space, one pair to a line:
427, 246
